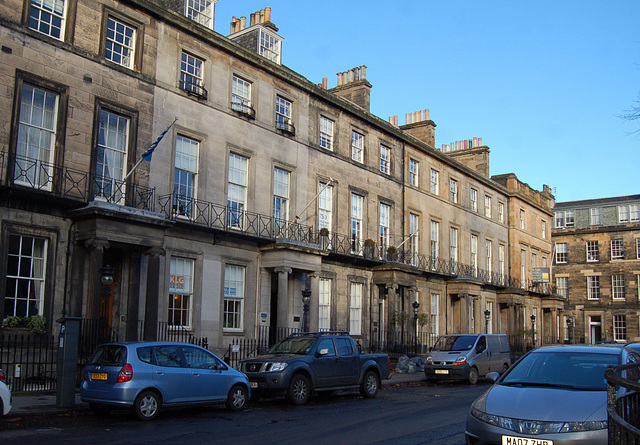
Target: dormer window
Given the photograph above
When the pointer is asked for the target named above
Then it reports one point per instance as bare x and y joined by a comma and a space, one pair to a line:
200, 11
269, 46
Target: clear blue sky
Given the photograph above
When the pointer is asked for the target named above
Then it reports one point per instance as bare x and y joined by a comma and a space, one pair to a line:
541, 82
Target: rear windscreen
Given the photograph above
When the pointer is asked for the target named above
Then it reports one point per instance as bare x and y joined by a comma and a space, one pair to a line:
109, 355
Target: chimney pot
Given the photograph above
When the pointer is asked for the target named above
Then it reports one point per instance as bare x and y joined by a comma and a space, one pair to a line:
267, 13
480, 142
427, 116
243, 22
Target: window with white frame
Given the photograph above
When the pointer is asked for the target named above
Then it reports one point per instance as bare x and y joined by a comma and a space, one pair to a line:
269, 46
489, 322
434, 243
111, 158
435, 182
634, 212
562, 253
324, 303
522, 219
237, 190
488, 249
473, 197
592, 251
283, 114
185, 175
570, 219
595, 216
120, 42
523, 268
326, 133
355, 309
434, 316
623, 214
501, 212
543, 229
200, 11
180, 292
474, 254
234, 288
562, 286
385, 212
357, 146
453, 244
414, 170
241, 95
325, 206
357, 205
414, 224
501, 261
593, 287
25, 276
487, 206
192, 75
620, 328
48, 17
617, 249
617, 286
453, 190
629, 213
385, 159
281, 179
37, 131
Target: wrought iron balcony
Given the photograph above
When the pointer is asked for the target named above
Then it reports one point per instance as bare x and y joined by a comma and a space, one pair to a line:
193, 89
243, 108
80, 186
286, 127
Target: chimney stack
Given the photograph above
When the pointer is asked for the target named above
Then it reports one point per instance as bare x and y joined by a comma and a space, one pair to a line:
353, 86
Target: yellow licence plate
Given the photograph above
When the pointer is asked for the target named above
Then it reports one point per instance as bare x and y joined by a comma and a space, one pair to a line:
442, 371
514, 440
98, 376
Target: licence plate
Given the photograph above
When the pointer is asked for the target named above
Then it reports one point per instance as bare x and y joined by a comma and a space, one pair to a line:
442, 371
254, 384
514, 440
98, 376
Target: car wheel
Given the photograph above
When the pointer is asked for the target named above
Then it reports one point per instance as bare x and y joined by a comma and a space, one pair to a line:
473, 376
237, 399
370, 385
147, 405
299, 390
100, 409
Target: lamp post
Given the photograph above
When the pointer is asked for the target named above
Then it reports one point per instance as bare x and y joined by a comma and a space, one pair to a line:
569, 325
533, 331
415, 306
487, 318
306, 298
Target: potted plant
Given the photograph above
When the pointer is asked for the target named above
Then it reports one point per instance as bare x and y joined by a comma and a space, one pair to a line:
369, 248
36, 323
392, 253
324, 237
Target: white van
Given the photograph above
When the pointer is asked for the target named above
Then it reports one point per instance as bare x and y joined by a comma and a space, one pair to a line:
467, 357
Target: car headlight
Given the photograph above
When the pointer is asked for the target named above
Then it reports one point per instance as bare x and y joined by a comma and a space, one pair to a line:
461, 360
535, 427
429, 360
278, 366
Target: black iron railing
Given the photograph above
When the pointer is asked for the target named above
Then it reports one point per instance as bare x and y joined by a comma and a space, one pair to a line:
623, 404
243, 108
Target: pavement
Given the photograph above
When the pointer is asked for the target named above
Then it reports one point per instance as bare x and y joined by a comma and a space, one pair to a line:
37, 409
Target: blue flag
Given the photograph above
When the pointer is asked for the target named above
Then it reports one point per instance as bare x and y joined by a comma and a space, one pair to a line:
147, 154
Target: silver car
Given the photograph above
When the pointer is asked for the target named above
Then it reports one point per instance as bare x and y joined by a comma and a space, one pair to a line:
149, 375
554, 395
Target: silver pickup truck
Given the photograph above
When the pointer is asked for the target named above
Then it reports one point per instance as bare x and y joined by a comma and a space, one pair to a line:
322, 362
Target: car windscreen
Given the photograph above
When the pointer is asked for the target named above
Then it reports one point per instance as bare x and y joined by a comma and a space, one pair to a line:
295, 345
573, 370
109, 355
455, 343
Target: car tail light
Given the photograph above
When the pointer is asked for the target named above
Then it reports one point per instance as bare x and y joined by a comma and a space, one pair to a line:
3, 376
125, 374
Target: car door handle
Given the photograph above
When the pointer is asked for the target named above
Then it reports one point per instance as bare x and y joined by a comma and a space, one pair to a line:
159, 372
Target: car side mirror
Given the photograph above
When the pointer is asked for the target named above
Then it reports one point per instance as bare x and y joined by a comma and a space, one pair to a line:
493, 376
323, 351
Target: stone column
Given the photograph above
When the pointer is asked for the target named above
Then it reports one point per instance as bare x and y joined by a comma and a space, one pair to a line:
284, 318
314, 304
96, 254
152, 294
133, 296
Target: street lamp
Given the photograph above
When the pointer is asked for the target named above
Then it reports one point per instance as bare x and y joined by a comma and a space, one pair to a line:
569, 324
306, 298
533, 330
487, 318
416, 306
106, 275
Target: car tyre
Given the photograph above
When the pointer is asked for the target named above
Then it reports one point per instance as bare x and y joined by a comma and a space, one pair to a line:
147, 405
237, 398
299, 390
370, 385
473, 376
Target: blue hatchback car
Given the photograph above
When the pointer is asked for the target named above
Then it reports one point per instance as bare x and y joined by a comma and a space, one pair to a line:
149, 375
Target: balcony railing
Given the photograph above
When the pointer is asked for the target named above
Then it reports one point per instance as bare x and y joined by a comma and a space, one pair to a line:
193, 89
67, 183
243, 108
286, 127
